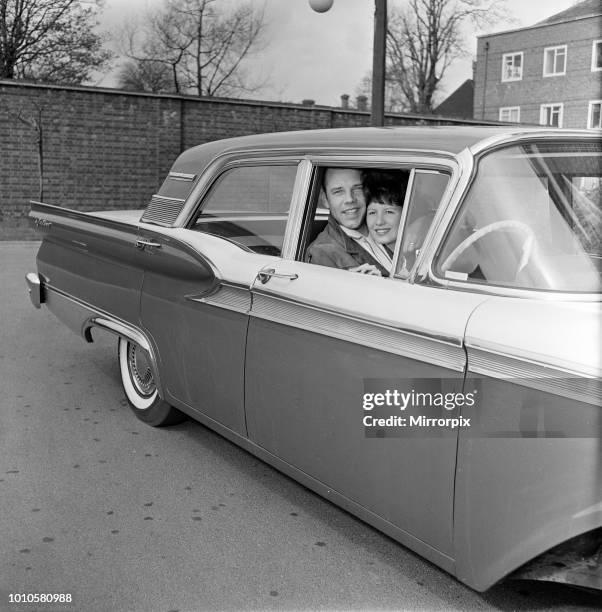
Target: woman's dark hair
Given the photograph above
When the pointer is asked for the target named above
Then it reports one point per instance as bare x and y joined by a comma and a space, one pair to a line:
389, 185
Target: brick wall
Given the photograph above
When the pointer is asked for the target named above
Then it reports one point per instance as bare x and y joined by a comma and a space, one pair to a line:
107, 149
574, 89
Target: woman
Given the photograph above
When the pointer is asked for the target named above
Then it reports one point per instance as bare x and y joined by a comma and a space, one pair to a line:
384, 193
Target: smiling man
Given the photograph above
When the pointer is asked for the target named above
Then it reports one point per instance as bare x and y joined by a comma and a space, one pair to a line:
343, 243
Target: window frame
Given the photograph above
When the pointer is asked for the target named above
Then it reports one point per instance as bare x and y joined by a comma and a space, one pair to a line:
555, 48
410, 161
522, 65
590, 108
510, 109
594, 67
542, 109
222, 166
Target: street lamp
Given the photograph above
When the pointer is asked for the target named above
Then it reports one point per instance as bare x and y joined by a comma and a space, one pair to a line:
379, 53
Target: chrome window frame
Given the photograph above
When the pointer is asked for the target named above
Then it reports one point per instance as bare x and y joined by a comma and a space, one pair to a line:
468, 161
225, 163
432, 161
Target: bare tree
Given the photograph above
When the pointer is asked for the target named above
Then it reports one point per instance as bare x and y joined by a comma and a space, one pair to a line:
203, 46
424, 38
145, 75
33, 118
50, 40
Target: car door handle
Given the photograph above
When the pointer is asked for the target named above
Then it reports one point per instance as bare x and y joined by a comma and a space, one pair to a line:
265, 275
140, 244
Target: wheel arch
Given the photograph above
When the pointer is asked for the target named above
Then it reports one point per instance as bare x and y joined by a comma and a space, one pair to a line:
129, 332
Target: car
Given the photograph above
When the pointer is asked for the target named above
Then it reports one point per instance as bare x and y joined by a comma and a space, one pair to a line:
453, 402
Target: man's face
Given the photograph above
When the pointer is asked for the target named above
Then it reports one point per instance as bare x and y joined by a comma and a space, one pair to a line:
345, 196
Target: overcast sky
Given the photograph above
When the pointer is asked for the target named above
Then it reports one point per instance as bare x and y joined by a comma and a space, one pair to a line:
321, 56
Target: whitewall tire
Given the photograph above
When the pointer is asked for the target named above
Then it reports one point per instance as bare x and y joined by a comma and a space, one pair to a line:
140, 389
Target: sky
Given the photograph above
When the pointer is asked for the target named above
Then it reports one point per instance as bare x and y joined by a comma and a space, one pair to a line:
316, 56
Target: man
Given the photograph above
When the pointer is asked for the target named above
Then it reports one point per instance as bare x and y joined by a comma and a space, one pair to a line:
343, 243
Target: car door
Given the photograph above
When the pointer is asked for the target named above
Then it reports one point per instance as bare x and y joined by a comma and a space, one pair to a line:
196, 292
319, 340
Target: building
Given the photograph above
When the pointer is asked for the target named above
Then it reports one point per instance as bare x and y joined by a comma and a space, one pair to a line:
549, 73
459, 103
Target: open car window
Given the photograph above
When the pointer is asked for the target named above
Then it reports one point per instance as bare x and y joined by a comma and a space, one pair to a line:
531, 220
249, 205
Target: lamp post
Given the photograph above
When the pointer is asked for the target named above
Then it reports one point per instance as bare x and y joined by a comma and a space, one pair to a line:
379, 54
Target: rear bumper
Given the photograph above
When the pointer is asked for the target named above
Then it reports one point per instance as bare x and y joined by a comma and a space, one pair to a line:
35, 286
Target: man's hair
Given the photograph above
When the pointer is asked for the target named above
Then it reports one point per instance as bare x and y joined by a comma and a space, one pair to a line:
325, 171
381, 185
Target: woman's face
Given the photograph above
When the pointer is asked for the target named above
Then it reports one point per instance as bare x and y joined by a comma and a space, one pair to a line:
382, 219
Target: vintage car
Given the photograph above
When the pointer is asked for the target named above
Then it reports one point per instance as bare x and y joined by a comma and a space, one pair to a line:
341, 380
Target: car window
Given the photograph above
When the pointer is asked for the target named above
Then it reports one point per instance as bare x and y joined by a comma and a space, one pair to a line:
249, 205
427, 189
353, 218
531, 220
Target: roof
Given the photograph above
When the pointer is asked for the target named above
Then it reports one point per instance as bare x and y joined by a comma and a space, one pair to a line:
446, 139
459, 103
586, 8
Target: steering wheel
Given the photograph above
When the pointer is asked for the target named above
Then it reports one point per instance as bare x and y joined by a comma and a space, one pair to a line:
523, 228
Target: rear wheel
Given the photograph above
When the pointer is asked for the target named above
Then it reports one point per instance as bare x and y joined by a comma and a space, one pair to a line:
140, 388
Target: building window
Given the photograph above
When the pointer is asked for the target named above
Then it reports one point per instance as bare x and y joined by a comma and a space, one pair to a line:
597, 55
510, 113
554, 61
512, 66
594, 115
551, 114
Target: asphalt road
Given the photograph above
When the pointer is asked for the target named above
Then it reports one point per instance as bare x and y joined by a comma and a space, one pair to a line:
122, 516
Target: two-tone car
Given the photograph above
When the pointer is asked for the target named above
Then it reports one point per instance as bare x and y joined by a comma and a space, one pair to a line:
454, 404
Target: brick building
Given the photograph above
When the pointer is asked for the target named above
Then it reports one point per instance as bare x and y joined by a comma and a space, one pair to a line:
549, 73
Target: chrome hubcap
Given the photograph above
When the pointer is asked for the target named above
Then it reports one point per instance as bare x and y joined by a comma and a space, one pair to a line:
140, 371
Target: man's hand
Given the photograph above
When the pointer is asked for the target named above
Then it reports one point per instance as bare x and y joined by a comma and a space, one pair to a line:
366, 269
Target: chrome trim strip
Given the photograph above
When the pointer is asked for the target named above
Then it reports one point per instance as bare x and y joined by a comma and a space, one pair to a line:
572, 384
106, 321
295, 220
156, 196
533, 134
122, 329
181, 176
402, 227
227, 295
445, 353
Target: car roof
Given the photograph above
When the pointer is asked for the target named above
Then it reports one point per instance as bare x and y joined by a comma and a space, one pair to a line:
445, 139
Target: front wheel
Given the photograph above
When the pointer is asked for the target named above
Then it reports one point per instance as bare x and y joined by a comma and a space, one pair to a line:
140, 388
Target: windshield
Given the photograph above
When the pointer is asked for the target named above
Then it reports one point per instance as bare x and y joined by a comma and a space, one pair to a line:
532, 219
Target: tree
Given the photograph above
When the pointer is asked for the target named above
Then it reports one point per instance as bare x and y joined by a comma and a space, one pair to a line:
423, 39
149, 75
202, 46
49, 40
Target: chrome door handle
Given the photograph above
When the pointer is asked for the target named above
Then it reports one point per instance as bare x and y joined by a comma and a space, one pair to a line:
140, 244
265, 275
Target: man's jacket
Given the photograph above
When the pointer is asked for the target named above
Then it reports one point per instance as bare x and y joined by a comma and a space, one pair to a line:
333, 248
